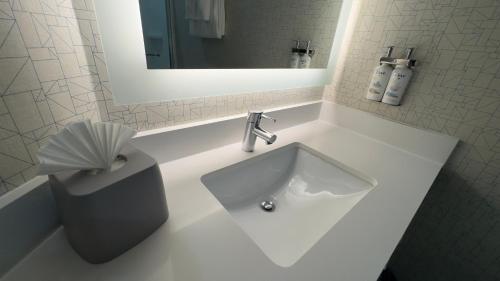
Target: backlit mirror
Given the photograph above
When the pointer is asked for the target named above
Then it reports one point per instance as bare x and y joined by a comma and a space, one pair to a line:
158, 51
208, 34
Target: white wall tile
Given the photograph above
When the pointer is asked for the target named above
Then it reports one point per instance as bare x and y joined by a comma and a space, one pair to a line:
12, 43
28, 29
70, 65
24, 78
24, 111
48, 70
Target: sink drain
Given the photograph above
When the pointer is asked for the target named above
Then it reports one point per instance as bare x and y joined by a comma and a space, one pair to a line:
267, 205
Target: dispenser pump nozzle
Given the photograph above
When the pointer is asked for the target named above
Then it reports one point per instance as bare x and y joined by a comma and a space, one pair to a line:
389, 51
409, 53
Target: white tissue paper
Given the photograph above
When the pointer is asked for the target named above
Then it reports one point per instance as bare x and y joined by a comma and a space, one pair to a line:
84, 145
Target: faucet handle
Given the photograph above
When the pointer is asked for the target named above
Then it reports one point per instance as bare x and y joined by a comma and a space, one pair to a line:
268, 117
257, 115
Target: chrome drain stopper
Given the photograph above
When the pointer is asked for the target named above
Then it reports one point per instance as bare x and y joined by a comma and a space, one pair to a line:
267, 205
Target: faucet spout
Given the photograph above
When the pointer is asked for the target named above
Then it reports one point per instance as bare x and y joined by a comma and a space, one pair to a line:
269, 137
253, 130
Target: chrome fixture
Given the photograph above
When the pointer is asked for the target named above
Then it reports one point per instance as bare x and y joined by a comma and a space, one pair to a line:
408, 61
299, 48
253, 130
268, 205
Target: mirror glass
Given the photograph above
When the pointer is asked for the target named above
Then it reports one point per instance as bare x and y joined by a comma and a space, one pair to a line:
250, 52
245, 34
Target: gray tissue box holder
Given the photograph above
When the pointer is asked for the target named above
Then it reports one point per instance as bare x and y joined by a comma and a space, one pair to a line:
106, 214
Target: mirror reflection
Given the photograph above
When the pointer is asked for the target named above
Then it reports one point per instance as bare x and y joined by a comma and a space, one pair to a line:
218, 34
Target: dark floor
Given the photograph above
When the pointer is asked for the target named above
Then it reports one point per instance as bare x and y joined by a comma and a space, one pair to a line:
387, 276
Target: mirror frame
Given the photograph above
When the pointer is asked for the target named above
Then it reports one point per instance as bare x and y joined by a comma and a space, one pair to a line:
132, 82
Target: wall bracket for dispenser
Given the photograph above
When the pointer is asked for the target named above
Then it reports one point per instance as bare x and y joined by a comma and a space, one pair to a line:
393, 61
408, 61
302, 50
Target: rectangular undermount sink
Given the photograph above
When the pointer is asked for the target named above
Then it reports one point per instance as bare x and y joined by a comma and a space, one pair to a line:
288, 198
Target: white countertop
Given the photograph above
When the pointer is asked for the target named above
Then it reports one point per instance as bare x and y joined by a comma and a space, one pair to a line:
200, 240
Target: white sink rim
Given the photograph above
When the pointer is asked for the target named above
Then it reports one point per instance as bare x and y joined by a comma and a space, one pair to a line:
247, 222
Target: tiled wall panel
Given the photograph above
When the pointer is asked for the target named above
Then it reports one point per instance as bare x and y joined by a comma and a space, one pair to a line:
52, 71
456, 91
48, 78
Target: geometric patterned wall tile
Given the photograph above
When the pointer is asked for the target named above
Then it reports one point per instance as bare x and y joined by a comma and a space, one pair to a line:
61, 105
3, 187
24, 111
61, 37
70, 65
31, 6
28, 29
11, 166
5, 26
84, 55
15, 156
18, 75
48, 70
42, 54
12, 44
15, 148
3, 107
42, 29
7, 126
8, 71
36, 55
5, 10
101, 66
83, 84
45, 112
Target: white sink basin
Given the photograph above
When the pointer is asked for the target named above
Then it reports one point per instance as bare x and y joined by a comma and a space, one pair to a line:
310, 192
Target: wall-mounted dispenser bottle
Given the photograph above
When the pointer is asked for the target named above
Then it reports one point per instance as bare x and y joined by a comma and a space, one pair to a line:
380, 79
305, 59
399, 81
295, 57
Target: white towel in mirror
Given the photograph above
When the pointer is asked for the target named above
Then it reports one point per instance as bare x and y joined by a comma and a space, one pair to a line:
215, 27
198, 9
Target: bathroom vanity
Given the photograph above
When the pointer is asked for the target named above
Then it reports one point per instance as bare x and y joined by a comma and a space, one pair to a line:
204, 239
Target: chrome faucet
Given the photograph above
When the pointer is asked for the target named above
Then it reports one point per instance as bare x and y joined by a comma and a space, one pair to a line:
253, 130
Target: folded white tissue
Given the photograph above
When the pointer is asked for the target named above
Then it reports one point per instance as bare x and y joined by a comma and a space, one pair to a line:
84, 145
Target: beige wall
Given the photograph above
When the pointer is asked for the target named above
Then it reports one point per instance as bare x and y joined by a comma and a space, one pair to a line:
52, 71
455, 91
